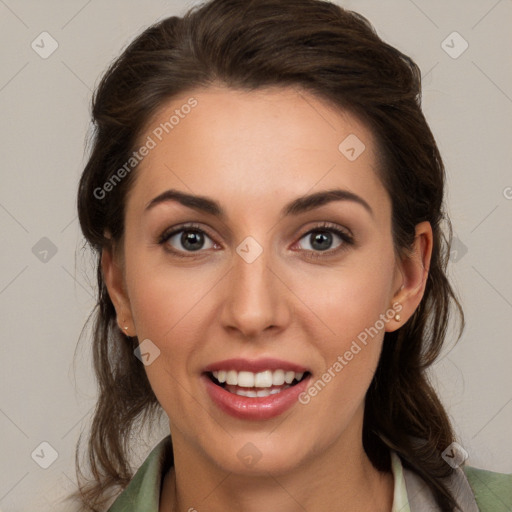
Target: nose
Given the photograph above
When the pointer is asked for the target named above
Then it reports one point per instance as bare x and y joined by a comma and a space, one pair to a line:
256, 298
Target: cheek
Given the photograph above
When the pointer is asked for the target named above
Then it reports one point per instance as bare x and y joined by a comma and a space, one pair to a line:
162, 301
350, 298
354, 304
164, 305
162, 296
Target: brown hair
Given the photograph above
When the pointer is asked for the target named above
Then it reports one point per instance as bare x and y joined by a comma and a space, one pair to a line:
336, 55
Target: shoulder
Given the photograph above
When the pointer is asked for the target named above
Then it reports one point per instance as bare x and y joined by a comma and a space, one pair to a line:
493, 491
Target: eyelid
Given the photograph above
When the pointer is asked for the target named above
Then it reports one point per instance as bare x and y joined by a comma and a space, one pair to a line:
168, 233
329, 226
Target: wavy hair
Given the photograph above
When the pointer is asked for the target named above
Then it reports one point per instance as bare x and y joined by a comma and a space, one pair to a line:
335, 54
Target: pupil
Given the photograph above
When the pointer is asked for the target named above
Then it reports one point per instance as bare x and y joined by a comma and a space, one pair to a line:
192, 240
320, 237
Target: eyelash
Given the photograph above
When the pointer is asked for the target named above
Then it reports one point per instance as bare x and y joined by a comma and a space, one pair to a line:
347, 239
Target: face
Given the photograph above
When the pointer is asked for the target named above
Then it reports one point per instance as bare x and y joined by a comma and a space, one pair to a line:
253, 283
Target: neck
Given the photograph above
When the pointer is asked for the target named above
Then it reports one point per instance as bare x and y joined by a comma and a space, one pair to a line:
340, 478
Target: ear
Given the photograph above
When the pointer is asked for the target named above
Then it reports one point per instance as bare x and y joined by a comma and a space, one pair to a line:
114, 281
411, 276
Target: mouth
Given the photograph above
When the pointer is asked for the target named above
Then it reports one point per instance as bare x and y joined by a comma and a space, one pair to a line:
256, 385
255, 390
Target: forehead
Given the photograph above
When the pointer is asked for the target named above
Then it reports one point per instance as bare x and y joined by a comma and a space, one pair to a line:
244, 147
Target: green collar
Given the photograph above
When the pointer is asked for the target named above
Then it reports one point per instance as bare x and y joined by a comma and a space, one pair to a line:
493, 491
143, 492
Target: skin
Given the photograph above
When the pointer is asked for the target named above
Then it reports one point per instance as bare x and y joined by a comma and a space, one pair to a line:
254, 152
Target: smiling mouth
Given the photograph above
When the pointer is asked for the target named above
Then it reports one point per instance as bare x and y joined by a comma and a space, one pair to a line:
256, 385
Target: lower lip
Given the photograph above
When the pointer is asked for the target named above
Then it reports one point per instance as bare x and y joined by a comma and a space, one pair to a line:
257, 408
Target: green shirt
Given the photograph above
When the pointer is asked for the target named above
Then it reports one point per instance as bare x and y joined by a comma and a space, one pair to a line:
492, 492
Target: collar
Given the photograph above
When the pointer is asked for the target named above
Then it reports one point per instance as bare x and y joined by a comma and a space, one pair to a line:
411, 494
421, 498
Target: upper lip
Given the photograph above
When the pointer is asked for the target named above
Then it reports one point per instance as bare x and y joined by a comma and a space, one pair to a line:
255, 365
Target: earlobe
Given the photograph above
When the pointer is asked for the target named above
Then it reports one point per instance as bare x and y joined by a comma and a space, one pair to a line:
114, 281
414, 268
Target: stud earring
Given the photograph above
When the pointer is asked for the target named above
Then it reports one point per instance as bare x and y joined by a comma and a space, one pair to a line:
123, 328
397, 315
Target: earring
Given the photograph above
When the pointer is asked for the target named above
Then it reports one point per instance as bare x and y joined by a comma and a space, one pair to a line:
397, 315
123, 328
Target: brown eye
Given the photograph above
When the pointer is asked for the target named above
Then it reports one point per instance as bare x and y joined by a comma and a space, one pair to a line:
186, 239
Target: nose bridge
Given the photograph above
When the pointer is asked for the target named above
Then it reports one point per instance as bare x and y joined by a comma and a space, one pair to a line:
254, 298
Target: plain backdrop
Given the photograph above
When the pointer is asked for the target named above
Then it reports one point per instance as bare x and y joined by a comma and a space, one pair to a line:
46, 281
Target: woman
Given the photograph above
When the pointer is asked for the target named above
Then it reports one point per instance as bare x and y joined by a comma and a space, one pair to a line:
266, 201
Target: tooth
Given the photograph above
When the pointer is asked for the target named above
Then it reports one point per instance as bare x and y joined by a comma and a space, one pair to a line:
246, 379
288, 377
250, 394
232, 378
260, 393
263, 379
275, 391
278, 378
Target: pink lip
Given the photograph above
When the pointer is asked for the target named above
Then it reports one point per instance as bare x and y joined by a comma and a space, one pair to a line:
258, 408
255, 366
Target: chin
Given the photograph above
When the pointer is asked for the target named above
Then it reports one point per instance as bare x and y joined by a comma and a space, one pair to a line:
258, 455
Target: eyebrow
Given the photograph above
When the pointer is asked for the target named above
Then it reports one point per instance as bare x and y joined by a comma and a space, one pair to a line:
300, 205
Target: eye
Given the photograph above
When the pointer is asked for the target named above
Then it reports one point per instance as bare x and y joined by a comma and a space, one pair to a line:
186, 239
320, 240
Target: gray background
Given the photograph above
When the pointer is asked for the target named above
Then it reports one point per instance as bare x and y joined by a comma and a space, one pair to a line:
45, 297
